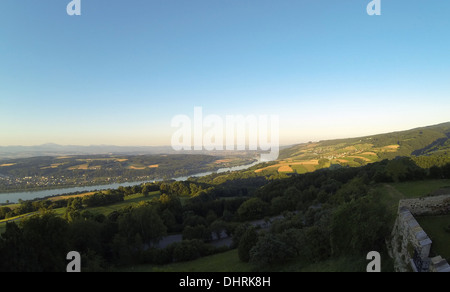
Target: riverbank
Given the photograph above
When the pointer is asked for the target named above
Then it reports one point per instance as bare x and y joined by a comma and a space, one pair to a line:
31, 195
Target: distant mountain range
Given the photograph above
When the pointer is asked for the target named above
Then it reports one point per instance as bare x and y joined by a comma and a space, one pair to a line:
420, 141
11, 152
50, 149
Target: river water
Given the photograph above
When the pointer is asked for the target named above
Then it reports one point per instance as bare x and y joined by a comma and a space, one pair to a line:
14, 197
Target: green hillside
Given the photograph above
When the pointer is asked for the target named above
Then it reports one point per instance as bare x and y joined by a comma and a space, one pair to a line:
354, 152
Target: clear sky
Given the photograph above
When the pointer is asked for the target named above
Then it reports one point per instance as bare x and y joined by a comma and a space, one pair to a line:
122, 70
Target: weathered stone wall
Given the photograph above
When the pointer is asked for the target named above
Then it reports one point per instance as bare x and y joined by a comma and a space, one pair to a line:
438, 264
409, 237
410, 245
438, 205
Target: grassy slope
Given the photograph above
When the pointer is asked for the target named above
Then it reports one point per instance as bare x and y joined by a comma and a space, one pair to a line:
223, 262
435, 226
421, 188
229, 262
133, 199
355, 152
390, 194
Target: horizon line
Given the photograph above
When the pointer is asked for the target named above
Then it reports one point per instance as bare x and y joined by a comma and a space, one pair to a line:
169, 146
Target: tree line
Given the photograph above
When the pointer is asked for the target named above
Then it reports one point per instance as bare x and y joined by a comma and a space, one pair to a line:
97, 199
125, 237
326, 213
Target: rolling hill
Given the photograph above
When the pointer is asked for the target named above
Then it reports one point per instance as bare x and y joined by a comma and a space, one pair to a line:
307, 157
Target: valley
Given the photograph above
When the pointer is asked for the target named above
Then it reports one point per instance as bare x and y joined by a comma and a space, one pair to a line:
330, 201
40, 173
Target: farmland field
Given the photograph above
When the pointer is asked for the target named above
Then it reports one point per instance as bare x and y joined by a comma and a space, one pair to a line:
42, 173
130, 200
285, 168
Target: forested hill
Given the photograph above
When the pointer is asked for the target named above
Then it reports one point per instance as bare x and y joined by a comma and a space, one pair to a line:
419, 141
426, 141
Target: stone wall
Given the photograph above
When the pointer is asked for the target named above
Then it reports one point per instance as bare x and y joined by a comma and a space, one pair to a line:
410, 245
438, 205
409, 238
438, 264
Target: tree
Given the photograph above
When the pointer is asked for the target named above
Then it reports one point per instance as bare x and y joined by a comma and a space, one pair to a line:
164, 199
296, 240
270, 249
446, 171
40, 245
317, 244
75, 203
217, 227
227, 216
143, 221
122, 251
359, 226
148, 188
211, 217
13, 250
353, 190
194, 220
254, 208
188, 250
169, 220
247, 242
84, 235
435, 172
199, 232
173, 204
4, 212
404, 168
280, 204
237, 234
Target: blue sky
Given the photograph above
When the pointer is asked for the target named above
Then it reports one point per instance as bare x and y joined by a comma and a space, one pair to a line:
118, 73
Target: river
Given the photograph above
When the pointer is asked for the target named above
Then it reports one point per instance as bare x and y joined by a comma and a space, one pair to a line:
14, 197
